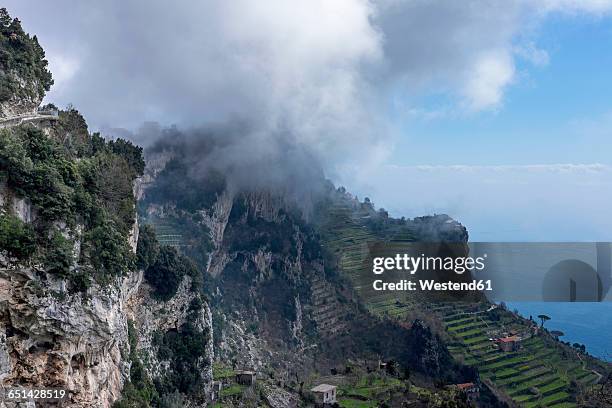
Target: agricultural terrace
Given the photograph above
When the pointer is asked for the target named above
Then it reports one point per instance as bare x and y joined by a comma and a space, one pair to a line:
541, 372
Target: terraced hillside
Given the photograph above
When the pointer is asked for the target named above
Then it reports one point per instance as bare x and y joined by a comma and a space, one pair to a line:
541, 372
346, 235
167, 233
326, 310
350, 229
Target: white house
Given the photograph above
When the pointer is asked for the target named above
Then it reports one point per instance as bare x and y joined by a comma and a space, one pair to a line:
324, 394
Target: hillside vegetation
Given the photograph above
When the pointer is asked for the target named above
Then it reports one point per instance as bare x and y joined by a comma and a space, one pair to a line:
75, 195
542, 372
23, 67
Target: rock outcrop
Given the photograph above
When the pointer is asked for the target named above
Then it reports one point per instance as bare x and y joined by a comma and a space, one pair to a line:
62, 340
151, 317
23, 102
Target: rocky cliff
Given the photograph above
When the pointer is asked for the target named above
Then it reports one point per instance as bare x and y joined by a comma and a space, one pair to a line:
61, 340
75, 312
281, 305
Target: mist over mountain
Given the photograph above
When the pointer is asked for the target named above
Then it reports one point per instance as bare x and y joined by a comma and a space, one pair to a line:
332, 76
246, 159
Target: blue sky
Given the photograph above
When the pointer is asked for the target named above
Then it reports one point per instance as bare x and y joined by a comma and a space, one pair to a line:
500, 171
557, 113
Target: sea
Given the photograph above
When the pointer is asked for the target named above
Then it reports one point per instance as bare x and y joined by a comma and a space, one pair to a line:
582, 322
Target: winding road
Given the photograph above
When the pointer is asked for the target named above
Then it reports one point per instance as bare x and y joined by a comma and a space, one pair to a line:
20, 119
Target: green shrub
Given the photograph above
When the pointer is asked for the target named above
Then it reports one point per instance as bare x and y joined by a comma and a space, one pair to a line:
21, 58
172, 400
148, 247
15, 162
108, 250
167, 272
139, 391
80, 282
17, 238
95, 190
58, 256
131, 153
113, 188
185, 350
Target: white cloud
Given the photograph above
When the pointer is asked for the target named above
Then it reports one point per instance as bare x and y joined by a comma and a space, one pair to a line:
320, 72
530, 52
599, 7
320, 69
467, 50
295, 67
491, 74
527, 168
63, 67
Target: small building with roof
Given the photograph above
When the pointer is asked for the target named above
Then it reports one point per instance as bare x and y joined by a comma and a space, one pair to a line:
245, 377
471, 390
510, 343
324, 394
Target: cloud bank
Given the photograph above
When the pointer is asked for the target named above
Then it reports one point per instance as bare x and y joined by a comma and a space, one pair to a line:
320, 71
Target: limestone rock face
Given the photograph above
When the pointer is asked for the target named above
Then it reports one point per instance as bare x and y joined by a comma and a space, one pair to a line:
23, 102
79, 342
151, 316
56, 339
216, 220
52, 338
264, 309
18, 206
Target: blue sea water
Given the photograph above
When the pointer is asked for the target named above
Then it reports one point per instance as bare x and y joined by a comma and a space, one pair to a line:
586, 323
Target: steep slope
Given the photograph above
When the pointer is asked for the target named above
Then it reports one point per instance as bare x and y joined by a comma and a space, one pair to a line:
70, 278
81, 305
280, 304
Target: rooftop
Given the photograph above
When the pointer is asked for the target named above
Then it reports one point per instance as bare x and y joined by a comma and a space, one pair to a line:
465, 386
323, 388
509, 339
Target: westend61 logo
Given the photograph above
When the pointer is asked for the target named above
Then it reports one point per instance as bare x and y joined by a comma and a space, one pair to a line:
412, 264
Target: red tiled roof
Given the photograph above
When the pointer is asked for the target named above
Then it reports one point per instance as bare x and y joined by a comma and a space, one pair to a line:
465, 386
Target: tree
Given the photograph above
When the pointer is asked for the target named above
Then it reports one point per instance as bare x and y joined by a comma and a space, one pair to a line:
17, 238
22, 60
130, 152
108, 250
166, 274
543, 318
114, 188
392, 367
556, 334
59, 257
172, 400
148, 247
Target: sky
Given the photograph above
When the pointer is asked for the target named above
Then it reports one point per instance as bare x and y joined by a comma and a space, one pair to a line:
495, 112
